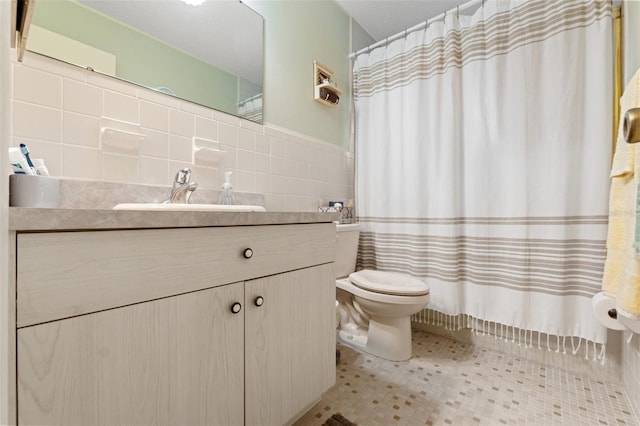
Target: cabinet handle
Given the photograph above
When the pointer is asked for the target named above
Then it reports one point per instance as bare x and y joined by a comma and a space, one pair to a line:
259, 301
247, 253
236, 307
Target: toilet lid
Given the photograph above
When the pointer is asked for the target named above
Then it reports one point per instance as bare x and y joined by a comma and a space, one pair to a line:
389, 283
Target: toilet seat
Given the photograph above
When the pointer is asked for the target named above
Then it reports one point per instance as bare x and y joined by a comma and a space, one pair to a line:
392, 283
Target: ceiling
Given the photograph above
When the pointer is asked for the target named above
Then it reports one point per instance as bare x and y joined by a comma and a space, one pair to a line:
384, 18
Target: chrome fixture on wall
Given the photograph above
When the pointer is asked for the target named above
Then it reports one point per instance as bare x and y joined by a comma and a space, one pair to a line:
631, 125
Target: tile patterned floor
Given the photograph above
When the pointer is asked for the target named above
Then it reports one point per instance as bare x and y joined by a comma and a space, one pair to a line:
452, 383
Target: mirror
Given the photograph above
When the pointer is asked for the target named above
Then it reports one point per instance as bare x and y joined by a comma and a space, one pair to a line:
210, 54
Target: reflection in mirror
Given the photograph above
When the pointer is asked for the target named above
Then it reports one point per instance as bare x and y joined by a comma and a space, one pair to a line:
211, 54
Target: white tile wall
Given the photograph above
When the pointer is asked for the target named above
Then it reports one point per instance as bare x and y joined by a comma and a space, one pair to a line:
631, 369
57, 110
80, 129
81, 98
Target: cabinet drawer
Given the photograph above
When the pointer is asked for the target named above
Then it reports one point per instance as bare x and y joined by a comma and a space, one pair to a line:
64, 274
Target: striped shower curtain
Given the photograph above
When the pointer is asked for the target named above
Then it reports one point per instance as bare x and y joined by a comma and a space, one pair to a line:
482, 159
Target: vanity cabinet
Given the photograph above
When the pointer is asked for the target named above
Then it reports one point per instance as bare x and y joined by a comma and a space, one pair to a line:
174, 326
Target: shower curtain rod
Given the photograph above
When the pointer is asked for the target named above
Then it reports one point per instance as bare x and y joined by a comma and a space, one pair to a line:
415, 28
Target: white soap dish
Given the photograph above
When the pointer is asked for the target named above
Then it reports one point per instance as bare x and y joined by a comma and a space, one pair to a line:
206, 152
120, 137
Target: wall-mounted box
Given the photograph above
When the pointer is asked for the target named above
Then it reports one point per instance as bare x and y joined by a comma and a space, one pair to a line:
325, 88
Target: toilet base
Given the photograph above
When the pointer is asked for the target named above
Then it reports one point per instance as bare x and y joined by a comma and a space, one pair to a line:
387, 338
390, 338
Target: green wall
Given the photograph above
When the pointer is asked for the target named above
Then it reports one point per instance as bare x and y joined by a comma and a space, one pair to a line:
140, 58
297, 32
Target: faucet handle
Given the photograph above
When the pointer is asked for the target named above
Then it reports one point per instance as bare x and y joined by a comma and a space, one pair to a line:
183, 176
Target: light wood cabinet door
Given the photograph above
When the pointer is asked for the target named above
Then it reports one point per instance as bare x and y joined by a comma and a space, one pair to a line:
289, 343
171, 361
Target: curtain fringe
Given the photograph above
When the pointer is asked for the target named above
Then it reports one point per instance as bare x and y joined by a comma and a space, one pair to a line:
511, 334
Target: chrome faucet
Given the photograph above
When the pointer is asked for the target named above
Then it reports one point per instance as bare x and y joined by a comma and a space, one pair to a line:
182, 188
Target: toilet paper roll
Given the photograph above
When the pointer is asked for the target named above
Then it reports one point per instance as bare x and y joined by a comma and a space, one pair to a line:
604, 307
629, 321
631, 125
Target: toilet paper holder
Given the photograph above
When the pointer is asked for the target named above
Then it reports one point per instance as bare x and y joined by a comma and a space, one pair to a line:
604, 308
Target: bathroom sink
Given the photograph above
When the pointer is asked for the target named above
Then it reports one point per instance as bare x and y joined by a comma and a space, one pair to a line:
189, 207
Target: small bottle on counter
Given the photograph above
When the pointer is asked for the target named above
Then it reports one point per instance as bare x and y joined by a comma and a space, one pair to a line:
227, 197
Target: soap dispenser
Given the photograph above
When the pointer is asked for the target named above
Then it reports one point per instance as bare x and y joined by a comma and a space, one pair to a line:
226, 196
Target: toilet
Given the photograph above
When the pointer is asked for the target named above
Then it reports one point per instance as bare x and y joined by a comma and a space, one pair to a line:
374, 306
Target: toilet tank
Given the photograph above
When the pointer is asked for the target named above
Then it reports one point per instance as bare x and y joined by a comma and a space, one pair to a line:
347, 237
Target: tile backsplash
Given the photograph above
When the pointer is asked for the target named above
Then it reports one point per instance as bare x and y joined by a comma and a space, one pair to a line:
57, 112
